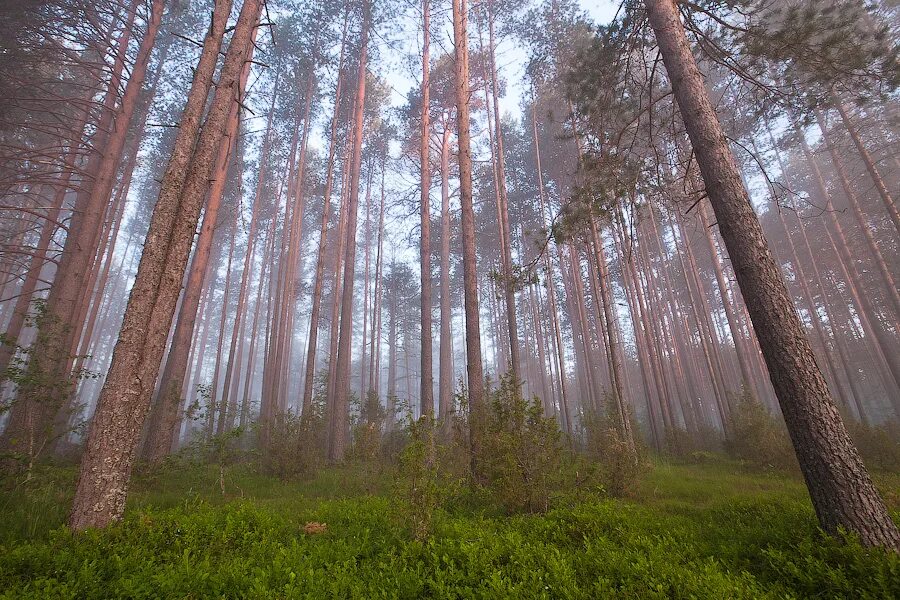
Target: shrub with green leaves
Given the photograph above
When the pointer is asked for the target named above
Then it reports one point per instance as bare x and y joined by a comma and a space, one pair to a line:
757, 438
879, 445
295, 445
617, 469
521, 454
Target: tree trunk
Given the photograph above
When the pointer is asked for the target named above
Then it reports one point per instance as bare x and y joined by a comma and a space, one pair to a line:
341, 424
475, 378
51, 358
426, 394
509, 285
163, 419
873, 329
375, 349
817, 321
445, 377
883, 192
615, 359
123, 403
319, 279
840, 487
890, 287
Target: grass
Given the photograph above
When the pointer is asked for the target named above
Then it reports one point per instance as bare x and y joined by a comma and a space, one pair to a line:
700, 531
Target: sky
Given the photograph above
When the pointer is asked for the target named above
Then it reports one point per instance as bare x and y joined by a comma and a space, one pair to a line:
402, 73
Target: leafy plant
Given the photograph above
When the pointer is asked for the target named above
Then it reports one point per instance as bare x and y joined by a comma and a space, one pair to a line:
756, 438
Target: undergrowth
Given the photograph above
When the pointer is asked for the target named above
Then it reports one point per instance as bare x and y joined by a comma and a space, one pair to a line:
699, 531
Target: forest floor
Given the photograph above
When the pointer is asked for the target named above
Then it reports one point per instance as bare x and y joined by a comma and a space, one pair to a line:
687, 531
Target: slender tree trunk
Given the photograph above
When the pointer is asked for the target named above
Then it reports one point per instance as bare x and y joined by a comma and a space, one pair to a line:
816, 320
877, 179
445, 378
558, 348
615, 359
728, 303
470, 272
236, 350
341, 423
267, 273
707, 341
840, 487
509, 285
375, 349
50, 358
874, 330
426, 394
890, 286
318, 283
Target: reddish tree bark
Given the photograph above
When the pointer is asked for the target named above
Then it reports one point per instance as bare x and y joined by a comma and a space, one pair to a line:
839, 485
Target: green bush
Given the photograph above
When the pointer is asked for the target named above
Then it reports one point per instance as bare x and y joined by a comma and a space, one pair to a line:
616, 467
683, 445
295, 445
520, 453
757, 438
368, 429
879, 445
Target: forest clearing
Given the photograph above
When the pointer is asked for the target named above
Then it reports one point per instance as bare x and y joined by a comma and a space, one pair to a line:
449, 299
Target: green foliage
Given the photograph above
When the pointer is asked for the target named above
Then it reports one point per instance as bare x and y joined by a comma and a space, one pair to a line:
419, 478
42, 392
520, 456
688, 446
617, 469
294, 446
879, 445
368, 429
756, 438
689, 532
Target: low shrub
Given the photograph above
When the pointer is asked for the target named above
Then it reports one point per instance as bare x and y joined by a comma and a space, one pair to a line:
617, 469
879, 445
520, 453
757, 438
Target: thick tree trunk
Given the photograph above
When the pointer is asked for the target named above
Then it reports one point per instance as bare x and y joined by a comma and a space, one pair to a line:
123, 403
840, 487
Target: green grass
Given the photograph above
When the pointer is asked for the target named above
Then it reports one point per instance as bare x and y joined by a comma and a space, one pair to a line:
710, 531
